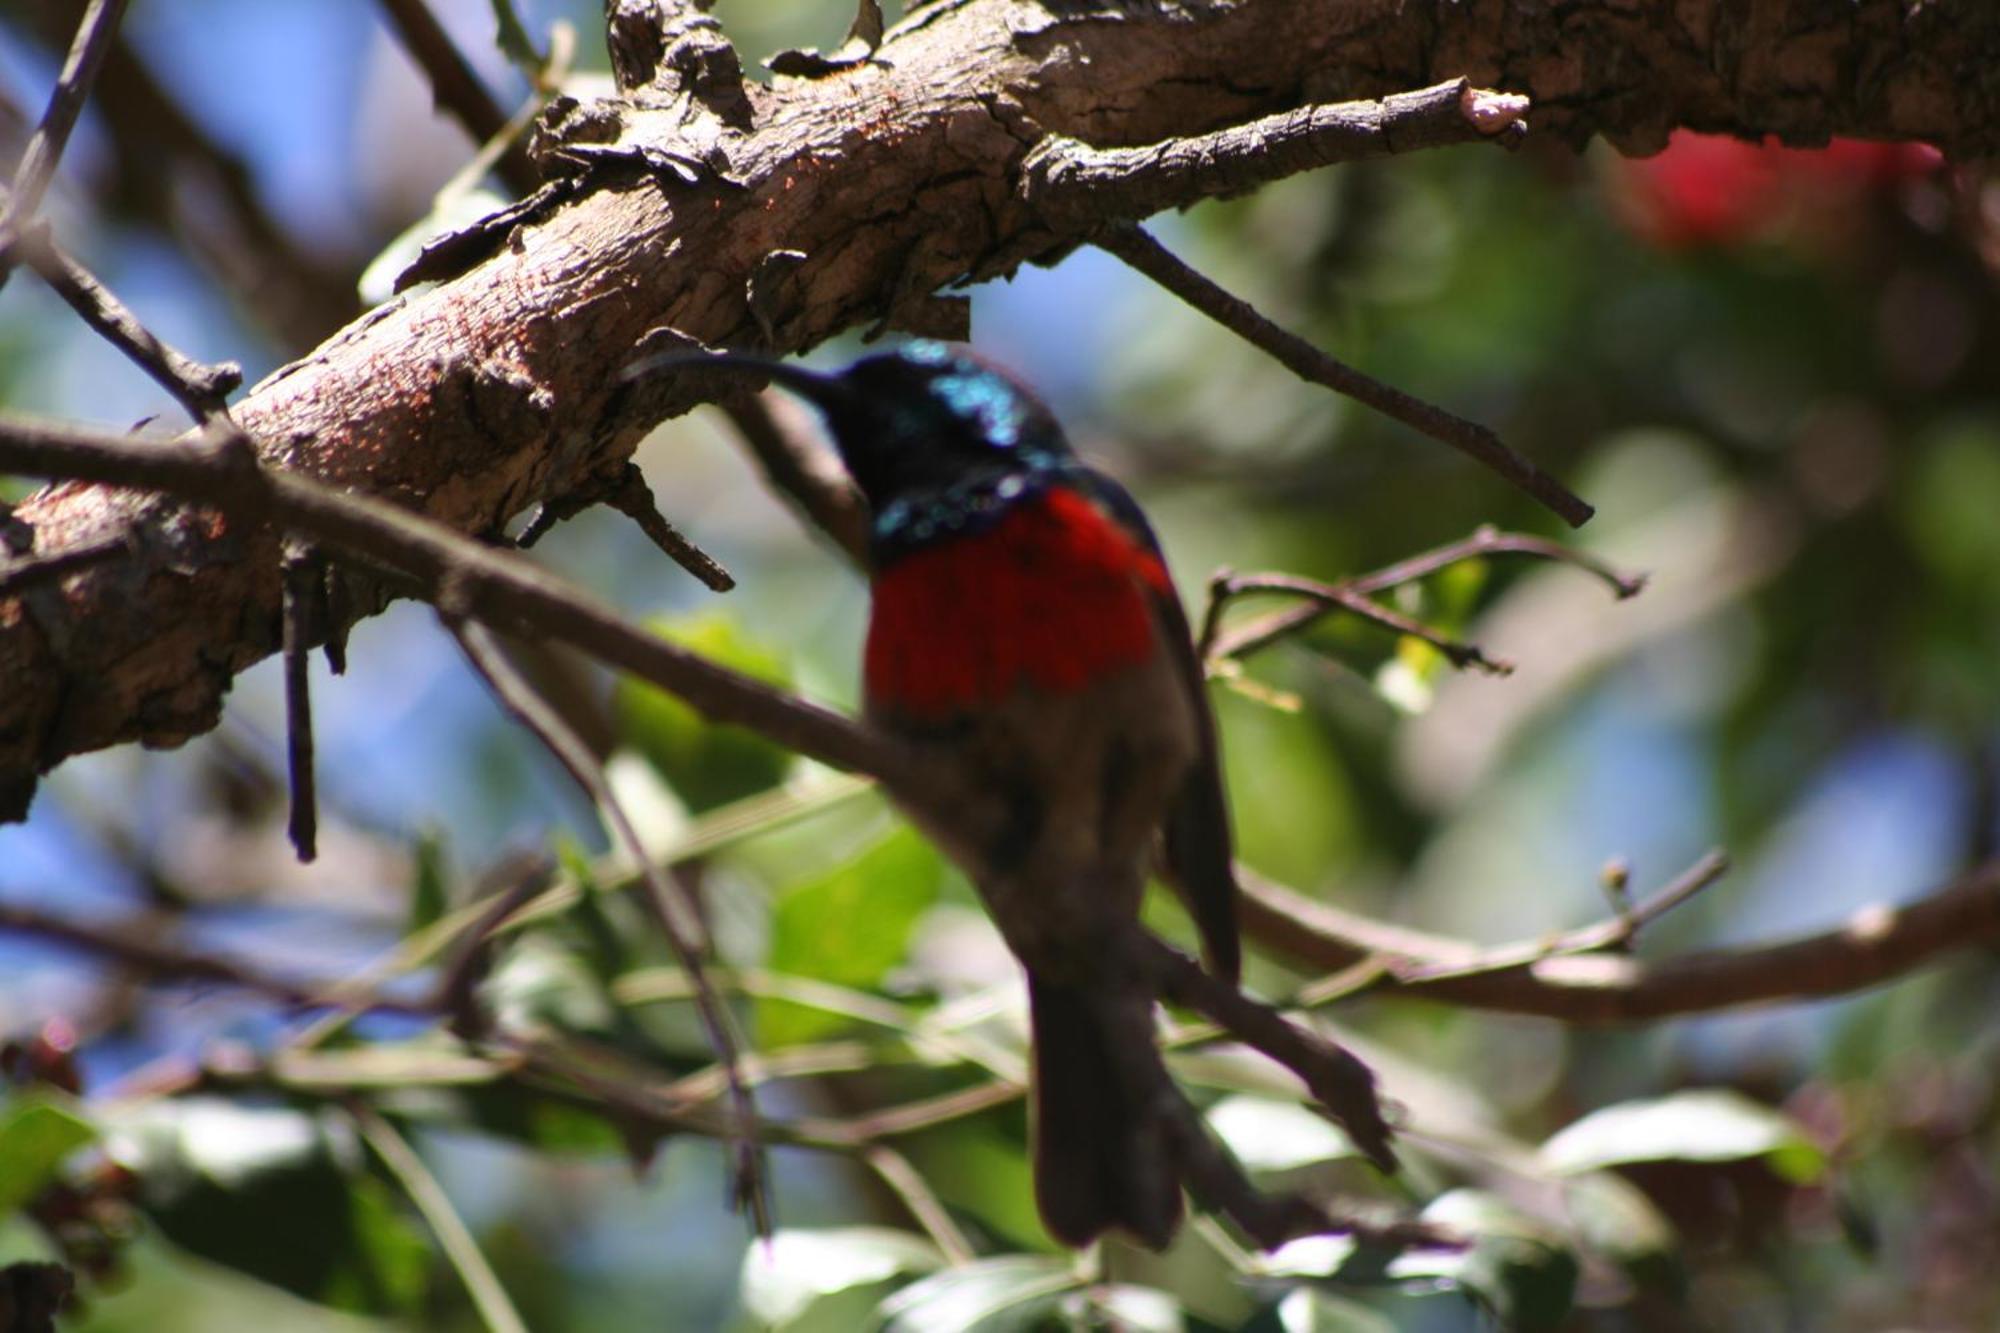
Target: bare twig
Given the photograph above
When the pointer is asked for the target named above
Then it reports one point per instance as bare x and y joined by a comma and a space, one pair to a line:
489, 1297
1329, 595
501, 588
677, 918
139, 945
802, 469
199, 388
922, 1201
1078, 186
1873, 946
1614, 933
1137, 248
629, 494
457, 89
303, 581
45, 147
170, 174
522, 877
1255, 633
1334, 1077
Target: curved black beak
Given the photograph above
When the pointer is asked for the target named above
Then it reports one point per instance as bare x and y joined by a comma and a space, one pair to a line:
826, 392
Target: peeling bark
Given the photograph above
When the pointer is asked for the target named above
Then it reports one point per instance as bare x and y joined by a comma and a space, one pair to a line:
477, 397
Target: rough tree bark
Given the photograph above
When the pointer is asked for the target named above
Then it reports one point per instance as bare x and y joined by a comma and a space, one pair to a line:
779, 216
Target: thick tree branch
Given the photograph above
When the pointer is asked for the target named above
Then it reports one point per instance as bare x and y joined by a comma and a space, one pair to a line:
497, 388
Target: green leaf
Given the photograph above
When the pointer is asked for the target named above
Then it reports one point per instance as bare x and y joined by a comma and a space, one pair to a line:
1515, 1266
428, 895
708, 765
980, 1168
1614, 1218
1308, 1256
276, 1194
1137, 1309
991, 1296
815, 1279
1700, 1125
540, 984
851, 927
38, 1132
1310, 1310
1269, 1135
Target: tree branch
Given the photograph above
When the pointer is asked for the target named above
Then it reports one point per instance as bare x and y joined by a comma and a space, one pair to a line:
457, 88
1875, 945
1137, 247
1076, 185
497, 387
39, 159
495, 585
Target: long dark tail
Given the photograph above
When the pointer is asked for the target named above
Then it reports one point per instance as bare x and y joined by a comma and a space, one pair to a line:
1103, 1119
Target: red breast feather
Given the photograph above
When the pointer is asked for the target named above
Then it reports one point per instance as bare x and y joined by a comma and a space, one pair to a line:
1051, 597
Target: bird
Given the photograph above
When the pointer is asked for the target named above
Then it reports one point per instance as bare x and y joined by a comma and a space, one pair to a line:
1022, 622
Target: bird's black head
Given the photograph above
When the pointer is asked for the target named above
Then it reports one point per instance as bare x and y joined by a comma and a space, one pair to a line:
921, 420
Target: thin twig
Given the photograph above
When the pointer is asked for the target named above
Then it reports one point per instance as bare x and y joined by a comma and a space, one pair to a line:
489, 1297
457, 88
802, 469
198, 387
1613, 933
628, 493
922, 1201
302, 583
1874, 945
45, 147
504, 589
1077, 186
139, 945
1329, 595
523, 875
677, 918
1137, 248
1335, 1078
1255, 633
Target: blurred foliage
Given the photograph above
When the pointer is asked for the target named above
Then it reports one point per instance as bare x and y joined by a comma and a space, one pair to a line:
1777, 373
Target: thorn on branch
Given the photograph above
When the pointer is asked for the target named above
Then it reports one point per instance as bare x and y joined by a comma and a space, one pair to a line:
1137, 248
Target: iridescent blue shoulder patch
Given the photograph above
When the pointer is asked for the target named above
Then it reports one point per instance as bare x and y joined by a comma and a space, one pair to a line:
985, 401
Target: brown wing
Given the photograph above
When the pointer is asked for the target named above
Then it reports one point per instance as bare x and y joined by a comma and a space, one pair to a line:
1200, 860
